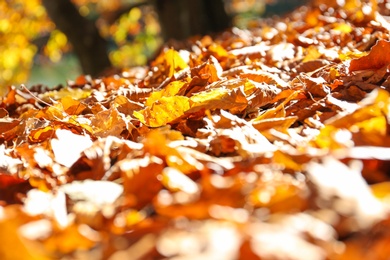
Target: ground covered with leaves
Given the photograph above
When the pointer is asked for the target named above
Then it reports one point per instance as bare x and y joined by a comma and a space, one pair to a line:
267, 143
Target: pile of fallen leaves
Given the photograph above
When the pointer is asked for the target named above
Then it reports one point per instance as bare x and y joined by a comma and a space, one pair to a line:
267, 143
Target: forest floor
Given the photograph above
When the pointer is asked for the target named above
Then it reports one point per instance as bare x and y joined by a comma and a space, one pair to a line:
266, 143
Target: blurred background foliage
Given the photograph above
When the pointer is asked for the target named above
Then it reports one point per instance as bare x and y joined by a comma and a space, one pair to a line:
33, 51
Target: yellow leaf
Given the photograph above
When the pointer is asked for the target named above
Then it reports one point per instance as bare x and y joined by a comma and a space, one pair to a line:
312, 53
172, 62
54, 112
163, 111
375, 105
157, 144
170, 90
75, 93
232, 100
280, 124
343, 27
381, 191
218, 51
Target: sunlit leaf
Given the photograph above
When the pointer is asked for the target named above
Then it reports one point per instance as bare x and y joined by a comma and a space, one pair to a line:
280, 195
54, 112
67, 141
75, 93
172, 61
171, 89
176, 181
41, 134
281, 124
218, 51
350, 186
163, 111
72, 106
231, 100
159, 143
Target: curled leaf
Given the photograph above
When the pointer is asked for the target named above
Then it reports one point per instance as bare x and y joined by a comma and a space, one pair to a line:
378, 57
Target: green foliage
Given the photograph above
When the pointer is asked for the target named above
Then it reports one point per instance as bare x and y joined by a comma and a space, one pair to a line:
20, 23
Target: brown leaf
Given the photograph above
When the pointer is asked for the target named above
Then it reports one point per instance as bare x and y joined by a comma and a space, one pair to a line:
7, 124
3, 113
109, 122
140, 180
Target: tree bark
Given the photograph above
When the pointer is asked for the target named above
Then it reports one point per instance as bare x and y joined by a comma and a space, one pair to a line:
89, 46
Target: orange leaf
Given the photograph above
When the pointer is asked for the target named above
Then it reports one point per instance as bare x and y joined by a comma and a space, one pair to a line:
378, 57
72, 106
72, 238
140, 179
13, 245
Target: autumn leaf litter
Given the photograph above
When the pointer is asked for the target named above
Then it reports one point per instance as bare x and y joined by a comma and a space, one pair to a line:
266, 143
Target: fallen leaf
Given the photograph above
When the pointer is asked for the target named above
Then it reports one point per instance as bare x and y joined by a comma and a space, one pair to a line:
67, 141
171, 61
163, 111
376, 58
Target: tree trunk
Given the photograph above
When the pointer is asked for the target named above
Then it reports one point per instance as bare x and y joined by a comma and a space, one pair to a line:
89, 46
180, 19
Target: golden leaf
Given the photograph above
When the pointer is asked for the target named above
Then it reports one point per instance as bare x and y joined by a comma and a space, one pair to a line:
171, 89
75, 93
163, 111
232, 100
171, 61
